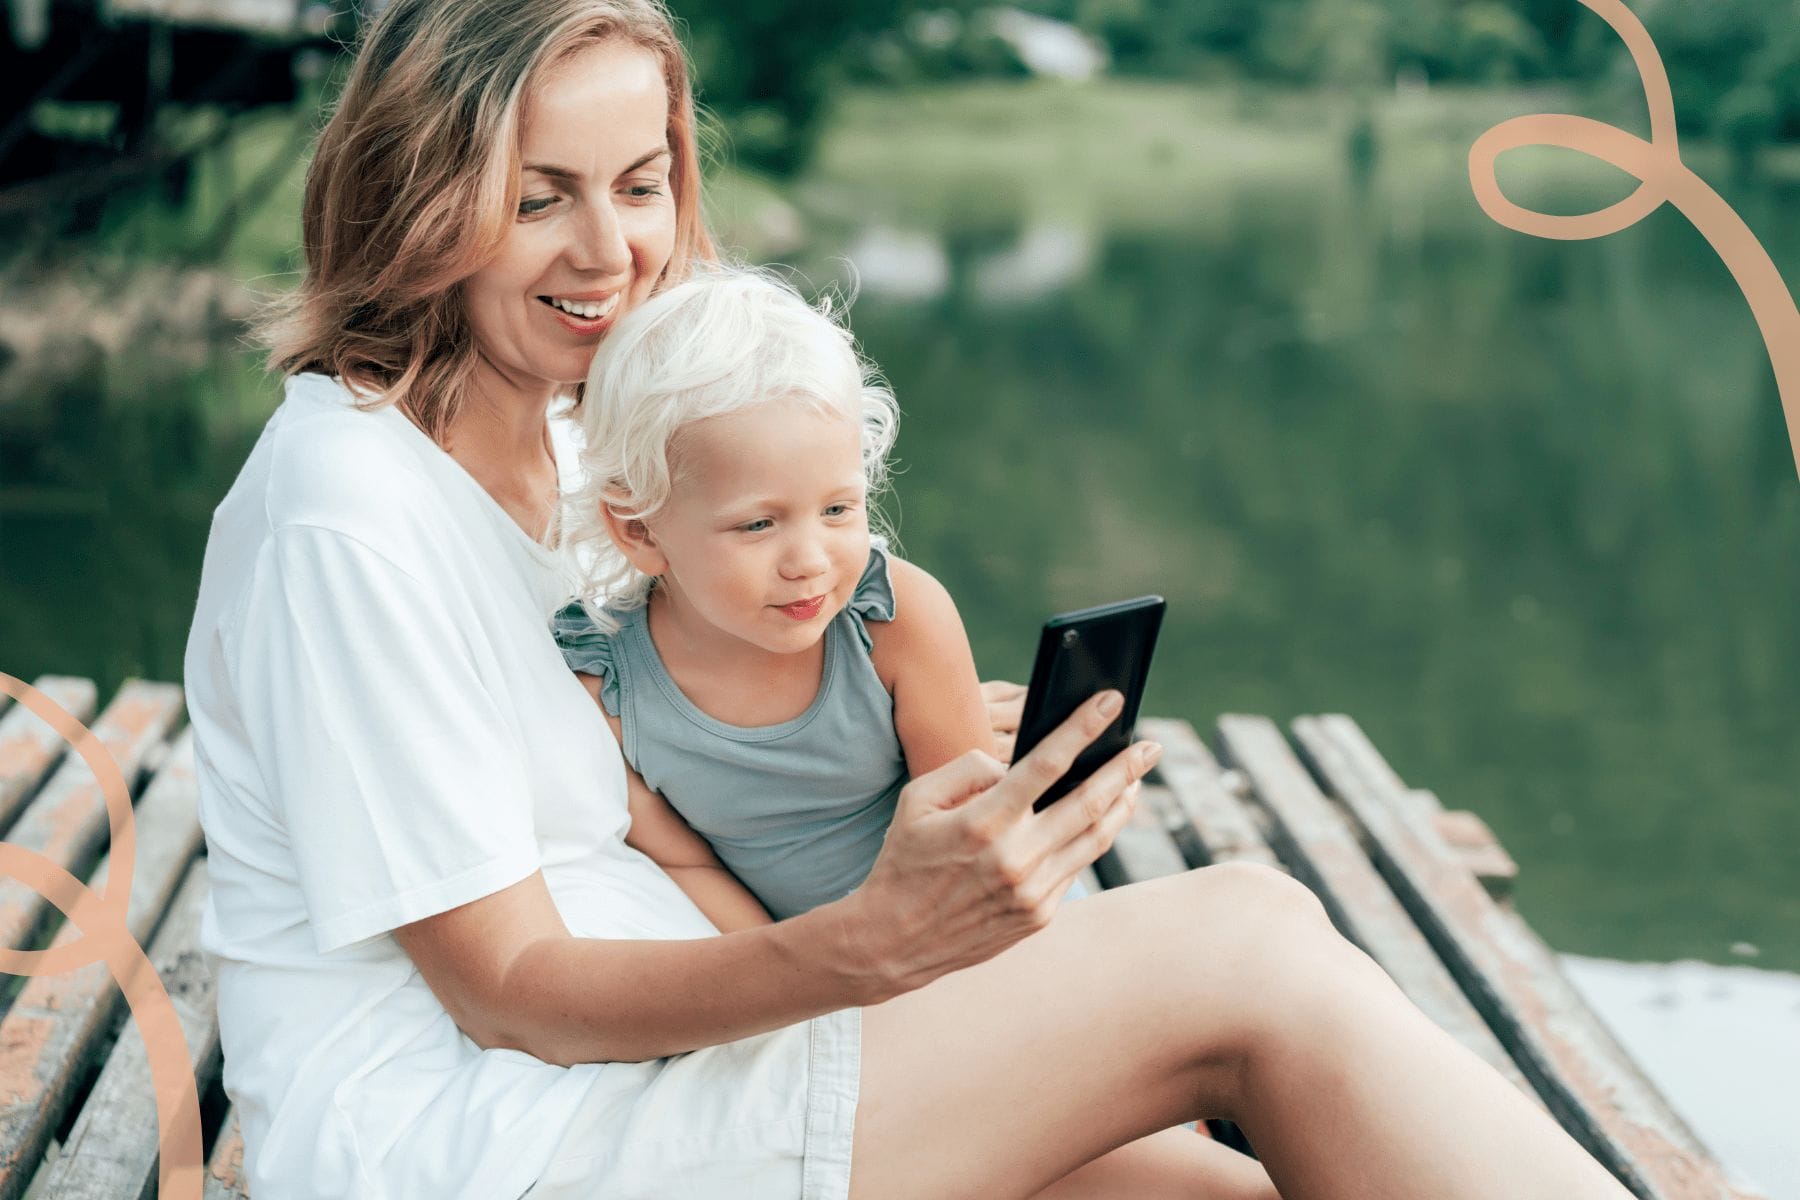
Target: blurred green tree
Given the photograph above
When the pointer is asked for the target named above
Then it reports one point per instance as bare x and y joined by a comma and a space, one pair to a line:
1734, 66
766, 68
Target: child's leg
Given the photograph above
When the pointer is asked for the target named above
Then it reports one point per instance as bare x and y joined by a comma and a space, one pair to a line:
1176, 1164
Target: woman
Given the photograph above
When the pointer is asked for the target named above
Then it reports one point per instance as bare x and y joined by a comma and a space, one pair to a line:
442, 972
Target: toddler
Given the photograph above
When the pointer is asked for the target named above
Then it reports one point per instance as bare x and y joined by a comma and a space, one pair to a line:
767, 665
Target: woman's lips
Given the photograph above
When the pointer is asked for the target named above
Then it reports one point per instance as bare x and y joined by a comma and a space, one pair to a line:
804, 610
581, 325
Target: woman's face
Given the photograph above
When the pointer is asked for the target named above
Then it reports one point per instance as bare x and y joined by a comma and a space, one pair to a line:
596, 220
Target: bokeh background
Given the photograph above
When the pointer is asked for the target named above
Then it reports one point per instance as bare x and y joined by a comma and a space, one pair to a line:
1186, 296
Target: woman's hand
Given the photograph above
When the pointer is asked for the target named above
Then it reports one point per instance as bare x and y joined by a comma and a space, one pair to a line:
1005, 705
968, 868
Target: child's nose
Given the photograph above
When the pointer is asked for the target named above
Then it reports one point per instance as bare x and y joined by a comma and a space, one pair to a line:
806, 557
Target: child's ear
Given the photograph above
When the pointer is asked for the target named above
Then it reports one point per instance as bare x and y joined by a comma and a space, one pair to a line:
635, 541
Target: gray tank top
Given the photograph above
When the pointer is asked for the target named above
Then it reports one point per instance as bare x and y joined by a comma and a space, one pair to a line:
796, 810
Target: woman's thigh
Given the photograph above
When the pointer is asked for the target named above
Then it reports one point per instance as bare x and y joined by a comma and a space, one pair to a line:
1124, 1017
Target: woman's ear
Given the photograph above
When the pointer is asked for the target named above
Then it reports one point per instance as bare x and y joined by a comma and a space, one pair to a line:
635, 541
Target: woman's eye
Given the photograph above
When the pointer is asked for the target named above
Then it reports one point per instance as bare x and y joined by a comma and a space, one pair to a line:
532, 207
643, 191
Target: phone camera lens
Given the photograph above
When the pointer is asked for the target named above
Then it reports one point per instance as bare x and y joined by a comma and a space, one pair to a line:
1070, 637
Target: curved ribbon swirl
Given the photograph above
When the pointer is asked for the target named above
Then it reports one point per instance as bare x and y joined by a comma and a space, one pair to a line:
1662, 176
105, 938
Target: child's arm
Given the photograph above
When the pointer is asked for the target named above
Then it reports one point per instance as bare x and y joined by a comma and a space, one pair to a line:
658, 831
923, 656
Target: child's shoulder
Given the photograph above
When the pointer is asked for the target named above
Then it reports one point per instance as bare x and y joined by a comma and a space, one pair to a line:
916, 592
590, 648
919, 613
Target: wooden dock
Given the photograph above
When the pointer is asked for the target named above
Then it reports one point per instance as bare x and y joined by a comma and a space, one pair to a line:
1424, 889
125, 64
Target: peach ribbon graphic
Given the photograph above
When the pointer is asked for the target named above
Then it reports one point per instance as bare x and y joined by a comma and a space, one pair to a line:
1661, 176
105, 938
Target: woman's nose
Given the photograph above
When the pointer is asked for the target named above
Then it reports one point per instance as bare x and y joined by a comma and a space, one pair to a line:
600, 244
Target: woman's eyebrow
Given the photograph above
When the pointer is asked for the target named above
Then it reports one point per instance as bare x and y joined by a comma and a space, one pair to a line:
572, 176
659, 152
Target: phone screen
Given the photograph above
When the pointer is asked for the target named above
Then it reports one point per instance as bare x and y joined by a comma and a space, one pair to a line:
1081, 653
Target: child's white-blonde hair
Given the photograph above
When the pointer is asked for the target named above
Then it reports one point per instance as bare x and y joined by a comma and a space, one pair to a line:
724, 340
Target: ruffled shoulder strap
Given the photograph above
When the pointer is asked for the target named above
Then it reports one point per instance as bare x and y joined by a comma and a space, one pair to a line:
589, 649
873, 599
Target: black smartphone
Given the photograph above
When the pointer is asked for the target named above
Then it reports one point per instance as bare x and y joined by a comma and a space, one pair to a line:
1080, 653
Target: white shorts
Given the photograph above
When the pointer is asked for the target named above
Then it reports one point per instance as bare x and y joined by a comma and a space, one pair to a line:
766, 1118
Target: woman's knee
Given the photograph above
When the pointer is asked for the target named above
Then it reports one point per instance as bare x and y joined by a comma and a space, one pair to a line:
1242, 943
1246, 910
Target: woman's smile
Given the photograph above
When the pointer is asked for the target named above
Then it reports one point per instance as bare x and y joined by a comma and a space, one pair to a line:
585, 315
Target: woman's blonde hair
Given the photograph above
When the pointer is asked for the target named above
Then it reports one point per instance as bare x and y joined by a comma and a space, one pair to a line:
725, 340
415, 181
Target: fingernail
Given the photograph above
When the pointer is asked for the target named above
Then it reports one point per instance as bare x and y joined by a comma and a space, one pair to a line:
1149, 753
1110, 704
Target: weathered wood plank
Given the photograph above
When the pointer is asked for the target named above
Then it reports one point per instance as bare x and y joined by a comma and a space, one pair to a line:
1220, 827
29, 748
225, 1166
1313, 838
57, 1022
1467, 833
67, 822
1479, 850
1589, 1083
1143, 850
112, 1150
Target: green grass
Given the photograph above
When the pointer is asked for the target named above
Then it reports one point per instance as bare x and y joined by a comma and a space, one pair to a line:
1149, 153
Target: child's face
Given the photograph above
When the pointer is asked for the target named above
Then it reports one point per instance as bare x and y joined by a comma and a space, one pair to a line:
765, 534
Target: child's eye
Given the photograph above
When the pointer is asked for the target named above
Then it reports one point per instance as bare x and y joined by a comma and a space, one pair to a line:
760, 525
836, 510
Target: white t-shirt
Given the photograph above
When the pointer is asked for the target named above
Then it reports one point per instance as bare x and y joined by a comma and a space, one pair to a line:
385, 730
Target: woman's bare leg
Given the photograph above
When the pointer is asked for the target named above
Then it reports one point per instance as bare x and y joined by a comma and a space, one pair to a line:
1223, 992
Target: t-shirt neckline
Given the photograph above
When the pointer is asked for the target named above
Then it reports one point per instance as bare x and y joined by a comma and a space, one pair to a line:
497, 511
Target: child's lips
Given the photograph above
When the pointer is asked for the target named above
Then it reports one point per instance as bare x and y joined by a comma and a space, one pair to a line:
804, 610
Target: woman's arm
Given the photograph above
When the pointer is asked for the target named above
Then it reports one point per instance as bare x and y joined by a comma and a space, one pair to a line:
923, 656
659, 832
967, 870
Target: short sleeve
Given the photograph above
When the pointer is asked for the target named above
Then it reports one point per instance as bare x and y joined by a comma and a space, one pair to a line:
873, 599
402, 785
589, 649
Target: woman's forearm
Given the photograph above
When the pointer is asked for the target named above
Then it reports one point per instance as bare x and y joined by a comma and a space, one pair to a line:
571, 1000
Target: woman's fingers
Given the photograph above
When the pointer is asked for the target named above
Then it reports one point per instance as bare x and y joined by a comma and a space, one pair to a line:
1100, 795
1005, 704
1004, 744
1051, 758
1089, 843
966, 775
966, 868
